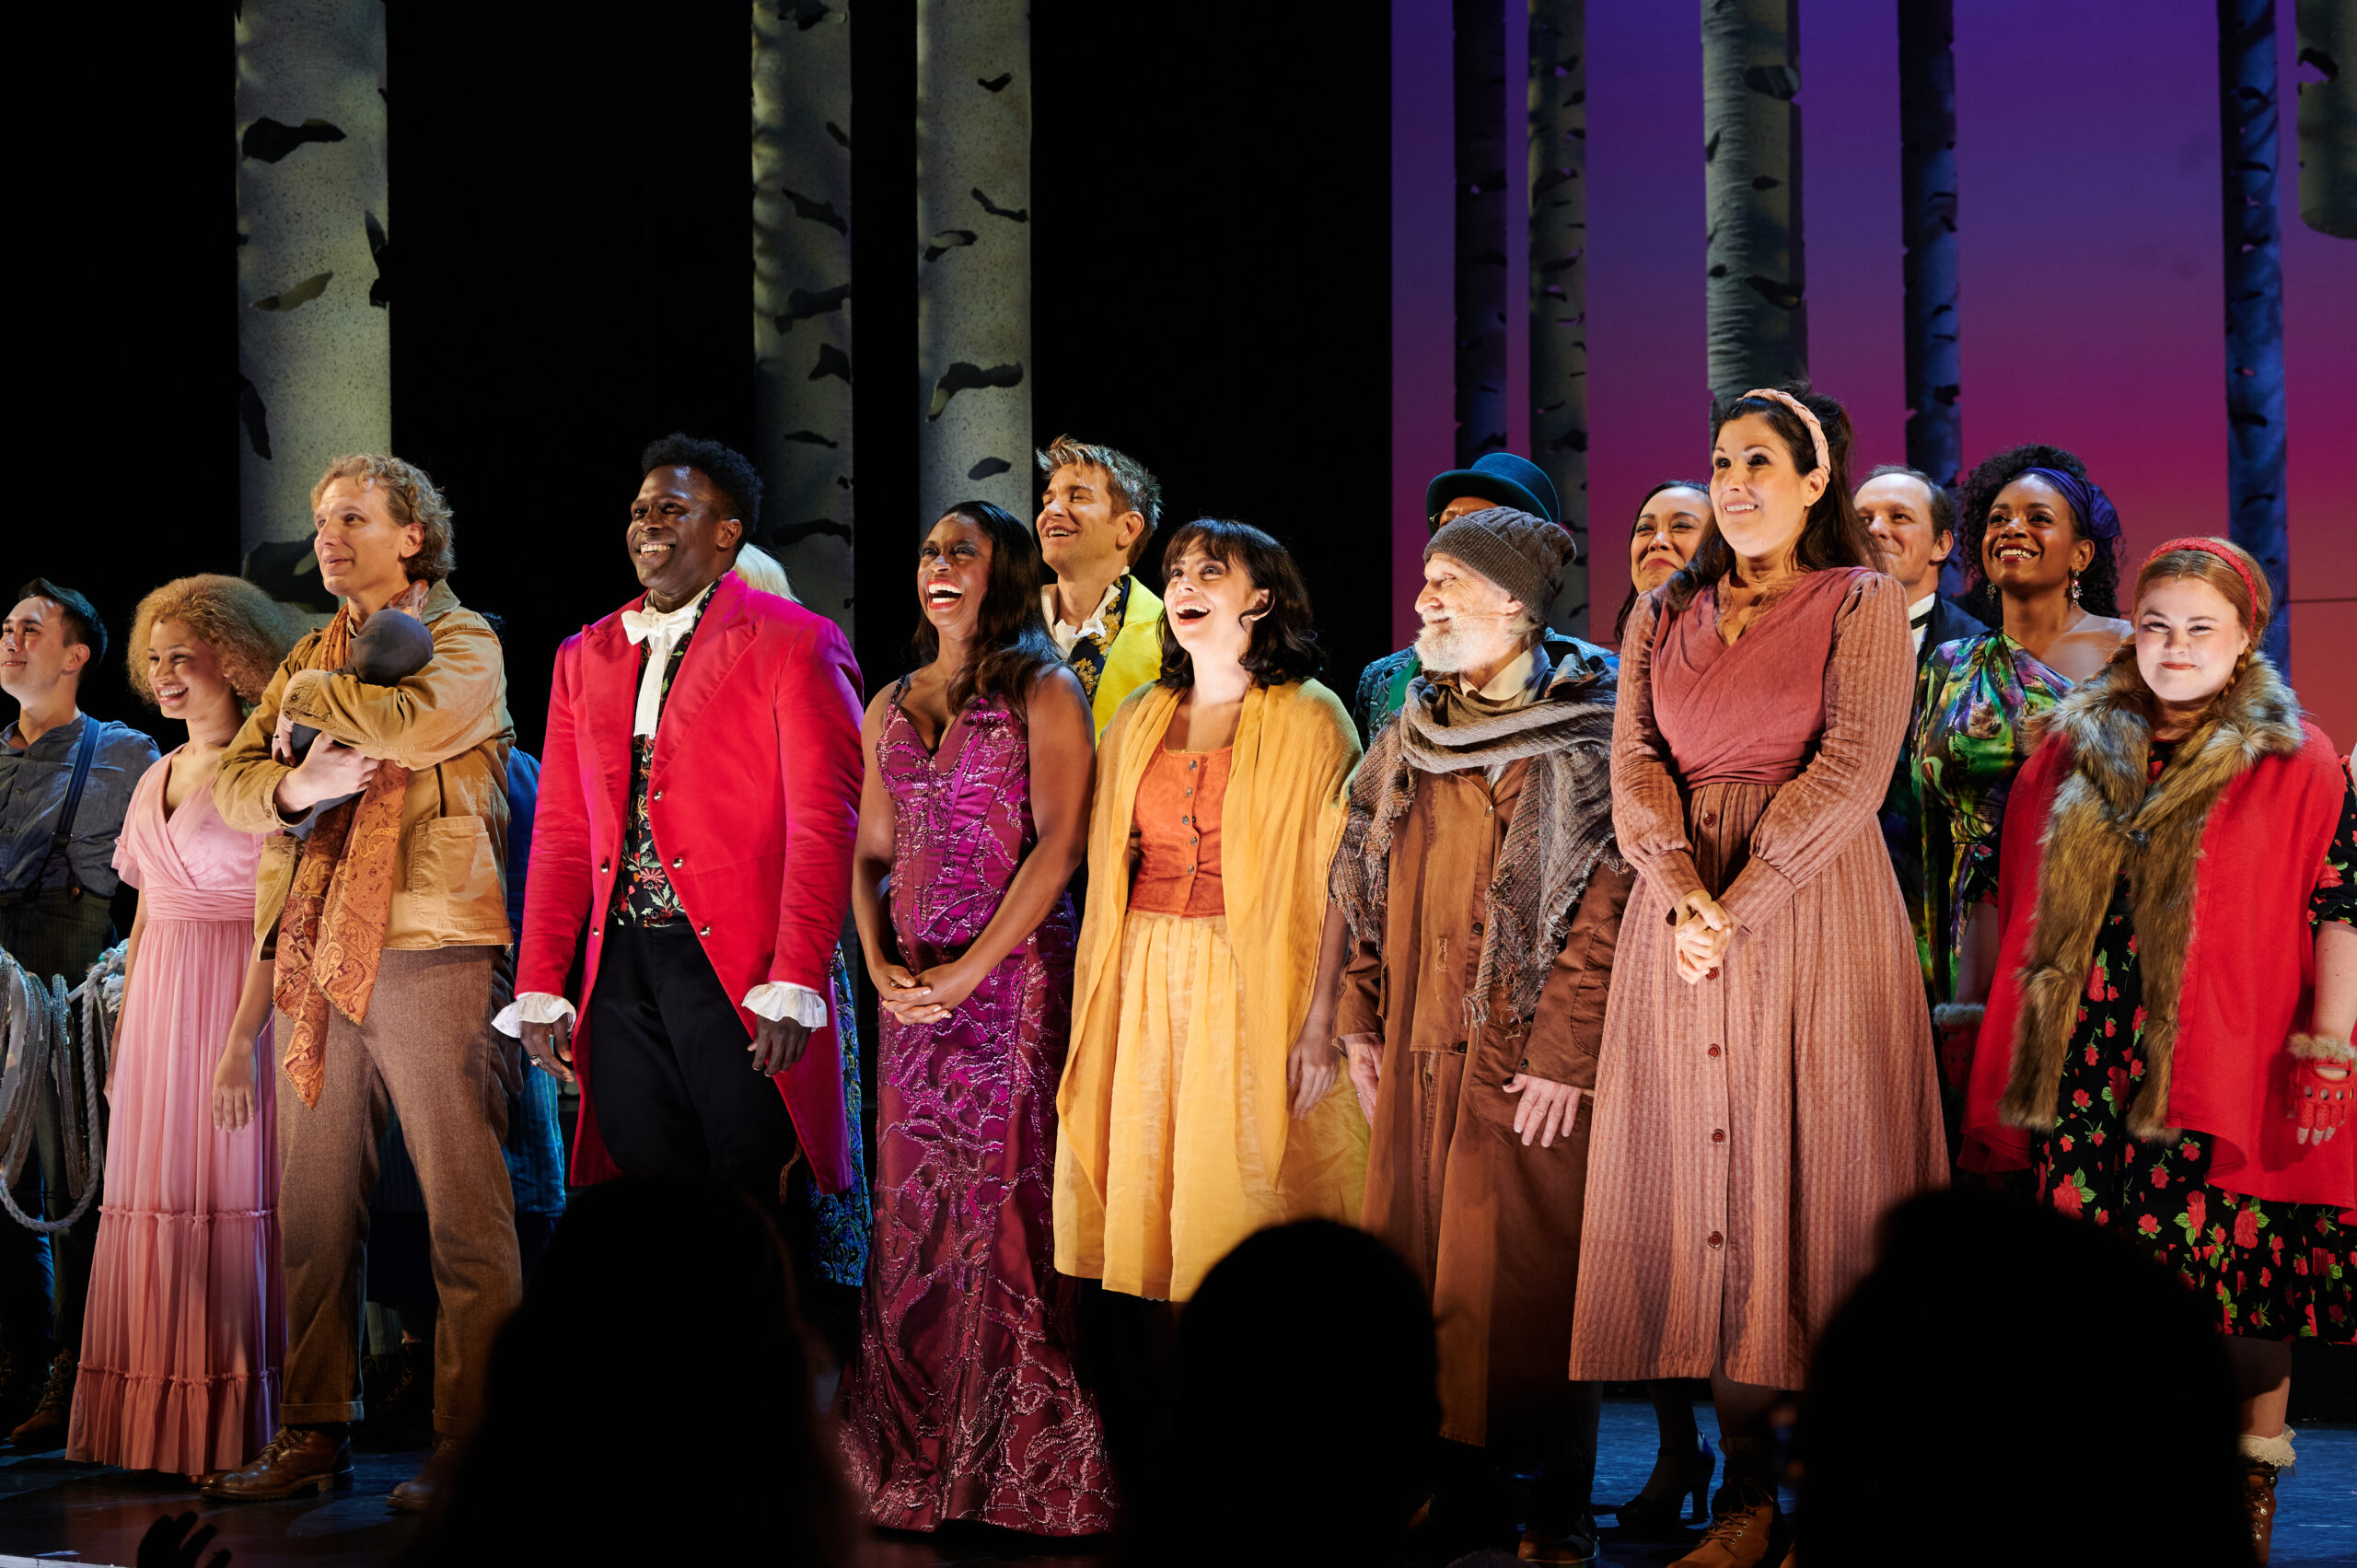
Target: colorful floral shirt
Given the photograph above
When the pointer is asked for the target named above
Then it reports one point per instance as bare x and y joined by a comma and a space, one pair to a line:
1974, 705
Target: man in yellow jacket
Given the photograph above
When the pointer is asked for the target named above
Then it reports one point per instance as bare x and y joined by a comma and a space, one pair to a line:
381, 906
1097, 513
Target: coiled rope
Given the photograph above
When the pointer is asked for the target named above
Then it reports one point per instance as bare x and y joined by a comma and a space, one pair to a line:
43, 1023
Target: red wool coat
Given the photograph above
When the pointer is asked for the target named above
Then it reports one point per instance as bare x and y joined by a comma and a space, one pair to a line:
755, 787
2249, 971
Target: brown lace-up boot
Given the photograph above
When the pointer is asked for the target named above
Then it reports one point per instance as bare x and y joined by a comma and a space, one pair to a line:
45, 1428
1747, 1531
299, 1460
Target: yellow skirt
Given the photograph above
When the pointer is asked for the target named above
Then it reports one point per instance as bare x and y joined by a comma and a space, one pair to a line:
1186, 1175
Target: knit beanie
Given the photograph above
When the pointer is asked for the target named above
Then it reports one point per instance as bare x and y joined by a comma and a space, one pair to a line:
1523, 554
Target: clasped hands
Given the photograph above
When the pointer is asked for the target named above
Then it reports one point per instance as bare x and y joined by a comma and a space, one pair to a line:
1705, 931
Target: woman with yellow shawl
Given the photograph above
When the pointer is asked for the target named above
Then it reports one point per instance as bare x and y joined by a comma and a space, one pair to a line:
1197, 1104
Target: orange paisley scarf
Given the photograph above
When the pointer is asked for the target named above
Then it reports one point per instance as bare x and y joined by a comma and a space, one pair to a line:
333, 933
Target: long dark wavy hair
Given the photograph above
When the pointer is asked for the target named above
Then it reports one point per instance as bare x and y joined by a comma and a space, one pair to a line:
1620, 621
1831, 535
1284, 639
1011, 636
2098, 585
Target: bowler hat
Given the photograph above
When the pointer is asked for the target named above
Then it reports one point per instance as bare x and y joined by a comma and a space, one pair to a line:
1500, 477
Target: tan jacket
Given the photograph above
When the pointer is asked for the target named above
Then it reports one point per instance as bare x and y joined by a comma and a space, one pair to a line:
448, 726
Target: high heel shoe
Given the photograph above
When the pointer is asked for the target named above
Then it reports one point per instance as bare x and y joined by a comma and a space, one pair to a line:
1651, 1516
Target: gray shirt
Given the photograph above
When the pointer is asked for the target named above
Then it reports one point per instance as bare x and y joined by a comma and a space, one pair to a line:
33, 782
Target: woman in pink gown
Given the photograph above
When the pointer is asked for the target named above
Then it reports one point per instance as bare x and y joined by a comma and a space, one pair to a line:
185, 1324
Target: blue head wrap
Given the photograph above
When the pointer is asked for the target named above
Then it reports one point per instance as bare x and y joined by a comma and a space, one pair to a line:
2096, 515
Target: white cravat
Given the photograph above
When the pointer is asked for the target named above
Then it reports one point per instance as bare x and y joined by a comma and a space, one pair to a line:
661, 630
1918, 617
1067, 637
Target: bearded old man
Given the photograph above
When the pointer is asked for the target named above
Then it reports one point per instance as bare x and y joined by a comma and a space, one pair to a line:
1482, 889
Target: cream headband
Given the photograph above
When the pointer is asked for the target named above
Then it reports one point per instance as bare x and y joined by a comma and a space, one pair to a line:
1816, 431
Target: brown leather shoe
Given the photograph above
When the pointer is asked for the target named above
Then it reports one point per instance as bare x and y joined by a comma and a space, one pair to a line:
45, 1428
299, 1460
416, 1495
1747, 1531
2259, 1504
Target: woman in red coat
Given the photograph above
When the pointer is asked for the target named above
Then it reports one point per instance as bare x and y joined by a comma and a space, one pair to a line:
2166, 1046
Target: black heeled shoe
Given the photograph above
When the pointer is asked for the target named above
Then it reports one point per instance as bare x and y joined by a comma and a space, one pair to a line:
1651, 1516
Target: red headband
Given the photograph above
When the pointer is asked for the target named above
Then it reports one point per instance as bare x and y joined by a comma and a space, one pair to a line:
2220, 549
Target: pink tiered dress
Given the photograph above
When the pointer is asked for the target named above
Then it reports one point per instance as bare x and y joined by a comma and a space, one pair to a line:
185, 1331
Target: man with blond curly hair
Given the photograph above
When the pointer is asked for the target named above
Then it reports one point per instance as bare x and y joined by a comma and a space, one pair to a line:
386, 923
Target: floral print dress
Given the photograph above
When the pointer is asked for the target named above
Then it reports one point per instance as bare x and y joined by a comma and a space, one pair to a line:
2274, 1270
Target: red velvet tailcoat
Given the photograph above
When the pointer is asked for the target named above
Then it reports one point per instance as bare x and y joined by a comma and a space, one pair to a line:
754, 799
2249, 974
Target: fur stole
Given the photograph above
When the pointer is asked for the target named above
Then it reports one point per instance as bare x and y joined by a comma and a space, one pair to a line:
2109, 820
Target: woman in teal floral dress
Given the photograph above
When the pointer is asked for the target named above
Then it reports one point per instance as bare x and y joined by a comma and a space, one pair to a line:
2041, 543
2168, 1049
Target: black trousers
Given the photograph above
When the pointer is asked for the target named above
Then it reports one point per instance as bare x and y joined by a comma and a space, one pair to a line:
675, 1093
40, 1309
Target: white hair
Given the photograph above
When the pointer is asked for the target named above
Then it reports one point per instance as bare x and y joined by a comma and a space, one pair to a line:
762, 572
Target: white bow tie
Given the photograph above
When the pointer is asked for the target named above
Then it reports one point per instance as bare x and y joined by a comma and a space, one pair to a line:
640, 624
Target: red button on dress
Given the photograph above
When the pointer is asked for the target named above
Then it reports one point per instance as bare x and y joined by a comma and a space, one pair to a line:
1714, 1050
1716, 1239
1718, 1135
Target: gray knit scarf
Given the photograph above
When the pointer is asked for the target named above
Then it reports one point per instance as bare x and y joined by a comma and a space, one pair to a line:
1561, 829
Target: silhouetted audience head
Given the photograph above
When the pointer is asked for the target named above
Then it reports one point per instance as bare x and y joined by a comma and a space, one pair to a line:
1306, 1407
2012, 1385
651, 1399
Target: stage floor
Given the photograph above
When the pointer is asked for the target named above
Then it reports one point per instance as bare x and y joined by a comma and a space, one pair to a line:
87, 1514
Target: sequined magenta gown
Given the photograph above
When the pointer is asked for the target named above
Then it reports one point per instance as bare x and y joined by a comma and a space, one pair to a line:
964, 1404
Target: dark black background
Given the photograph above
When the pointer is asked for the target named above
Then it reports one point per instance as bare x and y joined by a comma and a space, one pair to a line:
569, 269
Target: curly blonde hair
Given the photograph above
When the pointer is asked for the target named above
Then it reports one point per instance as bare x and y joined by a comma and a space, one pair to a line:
412, 498
248, 631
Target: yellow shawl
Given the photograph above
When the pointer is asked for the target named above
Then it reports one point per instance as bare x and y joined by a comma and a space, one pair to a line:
1288, 792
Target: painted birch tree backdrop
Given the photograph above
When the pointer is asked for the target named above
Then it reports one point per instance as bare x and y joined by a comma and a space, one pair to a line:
974, 255
314, 348
2328, 120
2257, 512
1756, 284
1928, 211
1480, 68
802, 306
1558, 104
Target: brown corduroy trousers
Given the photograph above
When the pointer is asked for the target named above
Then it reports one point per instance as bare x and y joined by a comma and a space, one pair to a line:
425, 1051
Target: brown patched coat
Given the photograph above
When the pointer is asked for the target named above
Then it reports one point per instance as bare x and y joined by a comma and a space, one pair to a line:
1493, 1228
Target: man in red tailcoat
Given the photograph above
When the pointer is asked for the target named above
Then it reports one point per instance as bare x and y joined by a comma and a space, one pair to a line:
698, 803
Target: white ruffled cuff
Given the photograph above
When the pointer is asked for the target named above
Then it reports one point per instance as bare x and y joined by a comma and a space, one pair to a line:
781, 1000
532, 1008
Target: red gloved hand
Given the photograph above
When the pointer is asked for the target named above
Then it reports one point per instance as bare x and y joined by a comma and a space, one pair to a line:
2322, 1090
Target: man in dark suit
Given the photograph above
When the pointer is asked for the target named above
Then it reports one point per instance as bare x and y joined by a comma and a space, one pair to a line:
1912, 518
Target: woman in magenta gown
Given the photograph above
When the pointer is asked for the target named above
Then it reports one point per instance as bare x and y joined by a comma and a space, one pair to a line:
186, 1326
963, 1403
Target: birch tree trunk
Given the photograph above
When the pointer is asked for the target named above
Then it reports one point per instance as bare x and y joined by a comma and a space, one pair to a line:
314, 345
2254, 278
1481, 77
974, 255
802, 306
1751, 154
1927, 186
1559, 277
2327, 118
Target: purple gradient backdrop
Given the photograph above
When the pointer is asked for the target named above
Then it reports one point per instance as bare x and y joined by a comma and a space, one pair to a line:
2087, 152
